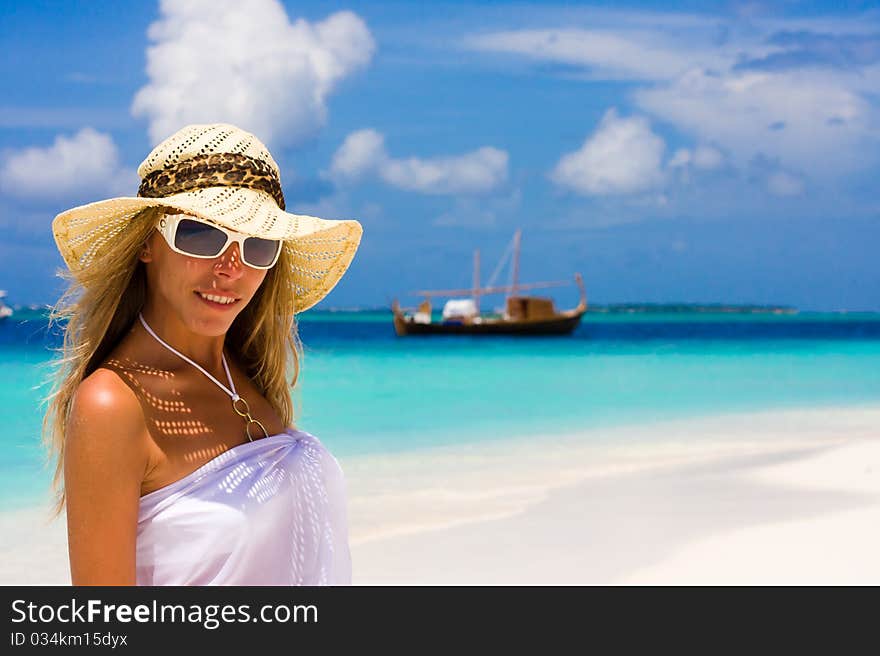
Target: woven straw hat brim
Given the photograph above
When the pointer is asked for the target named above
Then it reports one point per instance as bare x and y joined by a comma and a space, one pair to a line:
320, 250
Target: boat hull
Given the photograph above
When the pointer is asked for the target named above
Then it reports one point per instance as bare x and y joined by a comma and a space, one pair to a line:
560, 325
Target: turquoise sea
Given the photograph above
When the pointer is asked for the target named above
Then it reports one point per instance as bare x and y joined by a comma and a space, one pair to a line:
367, 391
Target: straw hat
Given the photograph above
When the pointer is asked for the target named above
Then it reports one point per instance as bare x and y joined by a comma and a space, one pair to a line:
222, 174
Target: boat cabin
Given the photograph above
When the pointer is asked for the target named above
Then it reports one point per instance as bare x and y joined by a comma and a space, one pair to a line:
523, 308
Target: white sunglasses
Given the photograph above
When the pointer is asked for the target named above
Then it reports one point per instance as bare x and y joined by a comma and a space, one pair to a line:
190, 236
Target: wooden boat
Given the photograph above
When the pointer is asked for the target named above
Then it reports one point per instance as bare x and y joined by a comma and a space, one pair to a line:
521, 315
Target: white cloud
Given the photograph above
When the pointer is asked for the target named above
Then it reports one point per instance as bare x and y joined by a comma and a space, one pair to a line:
84, 164
245, 63
782, 183
706, 157
701, 157
622, 156
622, 54
475, 172
363, 153
802, 118
681, 158
704, 76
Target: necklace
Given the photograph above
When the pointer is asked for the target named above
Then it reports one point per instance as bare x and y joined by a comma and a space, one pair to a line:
236, 399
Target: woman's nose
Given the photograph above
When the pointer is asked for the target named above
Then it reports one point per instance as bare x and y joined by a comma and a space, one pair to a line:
229, 262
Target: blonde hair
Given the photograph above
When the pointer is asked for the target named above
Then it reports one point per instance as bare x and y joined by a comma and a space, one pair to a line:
101, 303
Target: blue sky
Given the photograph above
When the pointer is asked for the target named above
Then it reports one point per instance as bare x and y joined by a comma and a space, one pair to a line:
696, 152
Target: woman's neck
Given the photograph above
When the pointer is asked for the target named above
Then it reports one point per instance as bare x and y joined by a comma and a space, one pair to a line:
205, 350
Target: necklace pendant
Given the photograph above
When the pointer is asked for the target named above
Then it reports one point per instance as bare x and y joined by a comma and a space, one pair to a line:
242, 412
246, 413
247, 428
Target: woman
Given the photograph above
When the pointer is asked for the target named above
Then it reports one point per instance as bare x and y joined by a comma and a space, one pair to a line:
171, 416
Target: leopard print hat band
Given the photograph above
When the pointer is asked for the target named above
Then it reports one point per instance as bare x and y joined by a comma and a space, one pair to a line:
213, 170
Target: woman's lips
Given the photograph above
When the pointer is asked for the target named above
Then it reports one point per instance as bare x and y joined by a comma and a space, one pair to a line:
219, 306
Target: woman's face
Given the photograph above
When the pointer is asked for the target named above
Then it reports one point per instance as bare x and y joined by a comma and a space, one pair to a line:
185, 285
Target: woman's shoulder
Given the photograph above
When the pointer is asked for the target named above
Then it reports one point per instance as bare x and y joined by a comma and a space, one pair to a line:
105, 407
106, 428
103, 391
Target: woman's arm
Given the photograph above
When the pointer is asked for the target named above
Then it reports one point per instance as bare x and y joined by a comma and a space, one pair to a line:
105, 460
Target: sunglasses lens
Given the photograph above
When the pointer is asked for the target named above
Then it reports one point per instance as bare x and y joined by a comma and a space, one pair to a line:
260, 252
199, 238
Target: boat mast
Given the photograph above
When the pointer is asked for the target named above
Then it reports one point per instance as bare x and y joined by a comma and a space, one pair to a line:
476, 293
513, 286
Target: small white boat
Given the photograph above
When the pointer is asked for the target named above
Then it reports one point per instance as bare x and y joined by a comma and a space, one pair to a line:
5, 310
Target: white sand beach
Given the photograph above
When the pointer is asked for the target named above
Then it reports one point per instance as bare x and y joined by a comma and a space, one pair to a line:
774, 497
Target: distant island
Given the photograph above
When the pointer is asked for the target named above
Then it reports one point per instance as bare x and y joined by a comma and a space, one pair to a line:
629, 308
668, 308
